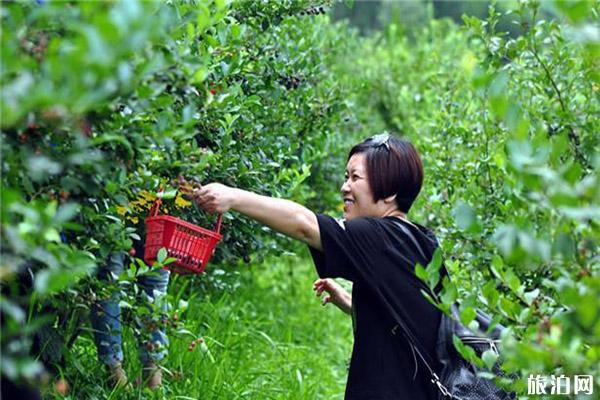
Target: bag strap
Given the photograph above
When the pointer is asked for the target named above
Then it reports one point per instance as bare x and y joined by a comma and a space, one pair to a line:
417, 348
410, 337
417, 244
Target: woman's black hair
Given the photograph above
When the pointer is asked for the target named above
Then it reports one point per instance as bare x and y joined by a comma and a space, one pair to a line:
393, 167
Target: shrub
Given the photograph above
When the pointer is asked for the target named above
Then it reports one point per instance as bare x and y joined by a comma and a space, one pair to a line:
105, 103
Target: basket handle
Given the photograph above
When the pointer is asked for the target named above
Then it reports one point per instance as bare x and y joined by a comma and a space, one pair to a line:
157, 203
218, 224
155, 208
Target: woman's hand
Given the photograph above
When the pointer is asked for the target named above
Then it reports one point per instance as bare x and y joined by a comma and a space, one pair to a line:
335, 294
214, 197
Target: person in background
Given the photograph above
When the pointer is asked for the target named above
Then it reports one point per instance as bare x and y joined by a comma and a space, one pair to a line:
106, 324
375, 247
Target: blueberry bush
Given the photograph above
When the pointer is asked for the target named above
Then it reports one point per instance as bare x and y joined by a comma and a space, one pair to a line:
106, 104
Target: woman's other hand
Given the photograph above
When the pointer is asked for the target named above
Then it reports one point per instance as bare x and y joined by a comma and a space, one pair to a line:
335, 294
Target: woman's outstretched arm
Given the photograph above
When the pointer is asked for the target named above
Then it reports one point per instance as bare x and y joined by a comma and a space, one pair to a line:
284, 216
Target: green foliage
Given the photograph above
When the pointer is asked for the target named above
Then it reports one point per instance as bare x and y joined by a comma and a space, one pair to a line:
104, 103
507, 127
266, 338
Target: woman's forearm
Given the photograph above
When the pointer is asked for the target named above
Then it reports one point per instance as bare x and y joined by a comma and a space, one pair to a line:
284, 216
345, 303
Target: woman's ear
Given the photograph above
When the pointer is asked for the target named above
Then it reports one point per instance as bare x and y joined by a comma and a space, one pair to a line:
390, 199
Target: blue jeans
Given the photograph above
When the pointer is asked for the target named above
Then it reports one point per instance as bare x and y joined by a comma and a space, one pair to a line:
106, 315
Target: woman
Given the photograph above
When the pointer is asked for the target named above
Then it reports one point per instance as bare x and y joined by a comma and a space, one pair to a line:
376, 248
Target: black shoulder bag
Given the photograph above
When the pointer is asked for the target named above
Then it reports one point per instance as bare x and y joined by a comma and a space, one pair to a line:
458, 379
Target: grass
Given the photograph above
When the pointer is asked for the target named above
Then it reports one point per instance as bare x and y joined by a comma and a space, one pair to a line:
266, 337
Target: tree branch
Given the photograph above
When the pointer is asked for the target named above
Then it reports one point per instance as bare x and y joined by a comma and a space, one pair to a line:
573, 137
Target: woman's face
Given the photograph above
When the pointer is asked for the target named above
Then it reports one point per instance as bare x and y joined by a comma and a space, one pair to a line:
356, 191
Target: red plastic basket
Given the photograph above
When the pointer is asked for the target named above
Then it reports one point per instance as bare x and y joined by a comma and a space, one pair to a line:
190, 244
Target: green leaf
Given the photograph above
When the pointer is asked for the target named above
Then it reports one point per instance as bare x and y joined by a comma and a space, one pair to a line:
588, 310
433, 301
489, 358
465, 351
497, 91
182, 305
161, 256
204, 348
167, 194
41, 166
466, 218
467, 314
497, 266
31, 368
135, 236
531, 296
491, 293
436, 261
66, 212
51, 235
222, 4
202, 18
124, 304
513, 282
143, 269
200, 75
449, 293
421, 273
576, 10
509, 307
9, 197
169, 260
12, 309
50, 209
51, 281
433, 268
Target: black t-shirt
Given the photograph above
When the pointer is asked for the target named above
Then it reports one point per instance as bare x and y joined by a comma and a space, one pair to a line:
379, 255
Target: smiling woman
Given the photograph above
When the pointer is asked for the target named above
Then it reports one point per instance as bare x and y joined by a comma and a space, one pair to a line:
390, 181
376, 248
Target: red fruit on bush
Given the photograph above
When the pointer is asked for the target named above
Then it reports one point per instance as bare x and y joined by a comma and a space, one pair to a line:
62, 387
132, 252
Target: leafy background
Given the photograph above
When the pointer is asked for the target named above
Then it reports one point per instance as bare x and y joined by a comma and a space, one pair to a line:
104, 103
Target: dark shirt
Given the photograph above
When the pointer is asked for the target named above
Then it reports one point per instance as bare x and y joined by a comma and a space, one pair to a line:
379, 255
